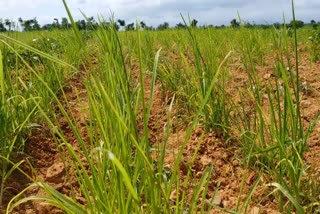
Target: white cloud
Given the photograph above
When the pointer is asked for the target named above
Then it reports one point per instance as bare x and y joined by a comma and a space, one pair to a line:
158, 11
18, 4
81, 1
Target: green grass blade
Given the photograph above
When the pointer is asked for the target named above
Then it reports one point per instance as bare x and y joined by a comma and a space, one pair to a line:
289, 196
2, 87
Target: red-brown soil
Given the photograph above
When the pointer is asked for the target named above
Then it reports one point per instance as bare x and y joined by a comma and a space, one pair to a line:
46, 158
230, 178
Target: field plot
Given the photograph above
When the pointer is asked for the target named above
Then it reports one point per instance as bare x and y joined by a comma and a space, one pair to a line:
172, 121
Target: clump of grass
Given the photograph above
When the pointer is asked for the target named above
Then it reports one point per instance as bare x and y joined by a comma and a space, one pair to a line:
314, 40
22, 93
189, 72
119, 160
15, 114
274, 137
121, 176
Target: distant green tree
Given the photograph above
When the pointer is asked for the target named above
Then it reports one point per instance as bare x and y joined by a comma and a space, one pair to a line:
47, 27
56, 23
8, 23
264, 26
81, 24
194, 23
108, 25
27, 25
65, 23
2, 27
163, 26
143, 24
24, 24
277, 25
180, 25
313, 23
297, 23
248, 25
35, 24
20, 20
149, 28
130, 27
92, 24
122, 23
234, 23
30, 24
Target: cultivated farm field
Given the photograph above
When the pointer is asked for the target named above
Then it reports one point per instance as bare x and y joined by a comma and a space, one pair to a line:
192, 120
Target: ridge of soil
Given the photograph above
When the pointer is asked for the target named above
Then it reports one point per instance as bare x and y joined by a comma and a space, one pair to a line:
47, 159
230, 180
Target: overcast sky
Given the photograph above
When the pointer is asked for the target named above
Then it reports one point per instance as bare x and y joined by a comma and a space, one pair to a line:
154, 12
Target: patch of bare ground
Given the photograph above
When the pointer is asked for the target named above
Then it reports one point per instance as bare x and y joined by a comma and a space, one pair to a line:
230, 181
50, 162
310, 105
226, 157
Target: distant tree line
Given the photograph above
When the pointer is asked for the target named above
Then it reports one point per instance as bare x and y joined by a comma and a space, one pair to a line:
297, 23
92, 24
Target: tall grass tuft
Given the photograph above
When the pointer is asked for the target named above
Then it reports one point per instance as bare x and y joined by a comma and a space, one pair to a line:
121, 176
274, 138
114, 169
